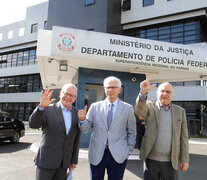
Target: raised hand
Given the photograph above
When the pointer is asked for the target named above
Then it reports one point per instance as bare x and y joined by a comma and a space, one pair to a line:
82, 113
145, 85
45, 98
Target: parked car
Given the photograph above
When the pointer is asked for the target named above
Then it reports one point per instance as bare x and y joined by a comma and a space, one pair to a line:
10, 128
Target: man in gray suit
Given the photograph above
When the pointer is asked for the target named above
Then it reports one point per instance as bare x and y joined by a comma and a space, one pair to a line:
59, 145
113, 126
165, 143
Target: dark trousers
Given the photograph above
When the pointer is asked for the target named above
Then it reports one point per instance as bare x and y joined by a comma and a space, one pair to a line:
115, 170
161, 170
50, 174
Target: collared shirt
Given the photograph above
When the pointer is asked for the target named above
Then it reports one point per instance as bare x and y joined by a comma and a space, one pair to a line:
115, 103
165, 109
67, 115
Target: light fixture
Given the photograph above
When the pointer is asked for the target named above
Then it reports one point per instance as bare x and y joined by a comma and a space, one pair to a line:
63, 67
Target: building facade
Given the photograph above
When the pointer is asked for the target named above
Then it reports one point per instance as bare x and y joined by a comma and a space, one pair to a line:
20, 82
181, 22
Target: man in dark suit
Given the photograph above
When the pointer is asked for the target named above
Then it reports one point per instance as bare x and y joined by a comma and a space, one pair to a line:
113, 126
59, 146
165, 144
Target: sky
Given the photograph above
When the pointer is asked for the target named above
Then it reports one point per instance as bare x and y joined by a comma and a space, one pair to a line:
15, 10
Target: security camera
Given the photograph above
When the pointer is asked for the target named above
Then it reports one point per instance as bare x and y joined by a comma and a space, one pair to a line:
50, 60
134, 79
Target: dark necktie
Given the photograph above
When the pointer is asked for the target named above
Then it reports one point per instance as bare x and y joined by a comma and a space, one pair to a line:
110, 115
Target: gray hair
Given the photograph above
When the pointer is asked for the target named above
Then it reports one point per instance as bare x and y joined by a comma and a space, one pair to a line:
112, 78
68, 85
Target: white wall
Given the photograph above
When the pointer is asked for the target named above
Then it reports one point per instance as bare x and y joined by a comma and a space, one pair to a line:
34, 14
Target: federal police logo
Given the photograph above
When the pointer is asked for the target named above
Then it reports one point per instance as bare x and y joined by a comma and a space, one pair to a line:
66, 42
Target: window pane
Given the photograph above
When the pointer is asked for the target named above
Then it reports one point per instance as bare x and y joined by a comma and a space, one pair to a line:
2, 85
20, 58
36, 83
18, 81
21, 112
29, 83
177, 35
26, 58
11, 85
34, 28
21, 31
23, 87
164, 37
9, 59
14, 60
148, 2
32, 56
88, 2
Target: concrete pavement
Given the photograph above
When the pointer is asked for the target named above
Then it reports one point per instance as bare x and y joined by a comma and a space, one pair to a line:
134, 169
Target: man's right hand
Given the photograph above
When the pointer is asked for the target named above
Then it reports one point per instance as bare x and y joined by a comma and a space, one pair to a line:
45, 98
145, 85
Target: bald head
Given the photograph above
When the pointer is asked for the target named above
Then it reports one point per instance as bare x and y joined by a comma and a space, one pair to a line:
165, 93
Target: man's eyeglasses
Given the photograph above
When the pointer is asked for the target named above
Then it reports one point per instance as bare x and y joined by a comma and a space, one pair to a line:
167, 92
111, 87
70, 95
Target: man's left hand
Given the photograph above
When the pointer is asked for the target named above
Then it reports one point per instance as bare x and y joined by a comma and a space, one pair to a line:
183, 166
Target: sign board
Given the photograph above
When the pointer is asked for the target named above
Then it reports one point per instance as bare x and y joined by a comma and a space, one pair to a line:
162, 60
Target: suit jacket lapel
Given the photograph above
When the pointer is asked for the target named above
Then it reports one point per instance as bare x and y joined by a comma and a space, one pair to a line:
60, 115
157, 113
73, 118
118, 112
173, 118
104, 104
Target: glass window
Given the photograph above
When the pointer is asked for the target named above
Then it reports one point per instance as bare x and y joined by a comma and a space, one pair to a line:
6, 85
143, 34
18, 81
21, 31
45, 25
29, 83
28, 111
11, 85
4, 61
14, 60
89, 2
21, 112
164, 30
176, 28
36, 82
10, 34
177, 35
192, 83
152, 32
9, 60
148, 2
32, 56
177, 40
34, 28
190, 38
20, 59
23, 87
1, 36
26, 58
2, 85
162, 37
